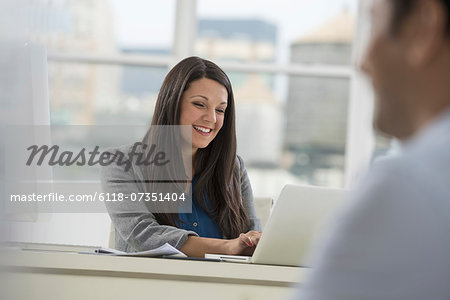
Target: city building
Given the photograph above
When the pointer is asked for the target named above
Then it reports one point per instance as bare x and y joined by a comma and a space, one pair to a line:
316, 108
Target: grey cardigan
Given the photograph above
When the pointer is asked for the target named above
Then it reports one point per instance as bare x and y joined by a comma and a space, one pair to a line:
139, 231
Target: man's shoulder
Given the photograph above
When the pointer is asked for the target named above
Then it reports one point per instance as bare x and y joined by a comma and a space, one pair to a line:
401, 183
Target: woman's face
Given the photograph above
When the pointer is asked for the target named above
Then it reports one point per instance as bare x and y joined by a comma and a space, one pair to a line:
203, 107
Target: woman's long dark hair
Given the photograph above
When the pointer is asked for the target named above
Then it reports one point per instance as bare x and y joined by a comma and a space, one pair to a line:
216, 164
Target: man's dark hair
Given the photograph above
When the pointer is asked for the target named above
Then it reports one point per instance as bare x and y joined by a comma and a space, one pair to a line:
402, 8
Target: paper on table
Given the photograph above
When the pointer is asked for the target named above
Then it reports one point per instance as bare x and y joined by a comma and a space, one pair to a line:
165, 249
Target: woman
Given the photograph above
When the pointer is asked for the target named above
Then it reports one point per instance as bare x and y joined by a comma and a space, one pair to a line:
198, 94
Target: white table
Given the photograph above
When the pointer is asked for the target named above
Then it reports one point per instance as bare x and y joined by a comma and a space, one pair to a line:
59, 275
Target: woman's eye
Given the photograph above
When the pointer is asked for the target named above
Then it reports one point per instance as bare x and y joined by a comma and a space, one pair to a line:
199, 104
221, 111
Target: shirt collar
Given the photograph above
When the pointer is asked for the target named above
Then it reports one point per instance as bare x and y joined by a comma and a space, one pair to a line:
432, 133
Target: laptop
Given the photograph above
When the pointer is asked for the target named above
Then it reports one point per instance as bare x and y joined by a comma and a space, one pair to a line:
297, 220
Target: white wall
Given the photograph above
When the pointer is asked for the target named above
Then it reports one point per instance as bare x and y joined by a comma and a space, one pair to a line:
62, 228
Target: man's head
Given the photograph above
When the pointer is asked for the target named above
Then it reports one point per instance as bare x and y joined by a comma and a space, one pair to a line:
408, 60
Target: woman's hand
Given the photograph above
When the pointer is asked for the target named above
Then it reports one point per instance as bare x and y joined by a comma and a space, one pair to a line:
245, 244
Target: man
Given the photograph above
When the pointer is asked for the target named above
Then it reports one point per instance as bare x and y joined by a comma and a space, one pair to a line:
392, 241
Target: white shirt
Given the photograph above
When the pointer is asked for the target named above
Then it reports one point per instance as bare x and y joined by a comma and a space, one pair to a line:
392, 241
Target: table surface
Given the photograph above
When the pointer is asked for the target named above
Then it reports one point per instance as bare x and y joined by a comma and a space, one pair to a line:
201, 270
50, 274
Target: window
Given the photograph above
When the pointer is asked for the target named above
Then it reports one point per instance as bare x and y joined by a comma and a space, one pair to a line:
290, 63
98, 94
291, 126
106, 27
303, 111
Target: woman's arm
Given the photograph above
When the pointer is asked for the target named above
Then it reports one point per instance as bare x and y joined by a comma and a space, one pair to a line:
139, 229
135, 224
246, 242
247, 197
243, 245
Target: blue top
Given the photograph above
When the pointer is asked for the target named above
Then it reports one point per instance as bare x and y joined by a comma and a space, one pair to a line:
199, 220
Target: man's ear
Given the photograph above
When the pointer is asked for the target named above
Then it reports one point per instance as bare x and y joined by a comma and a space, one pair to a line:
425, 32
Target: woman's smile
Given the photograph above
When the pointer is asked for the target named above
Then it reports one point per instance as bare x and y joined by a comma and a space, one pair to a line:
205, 131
